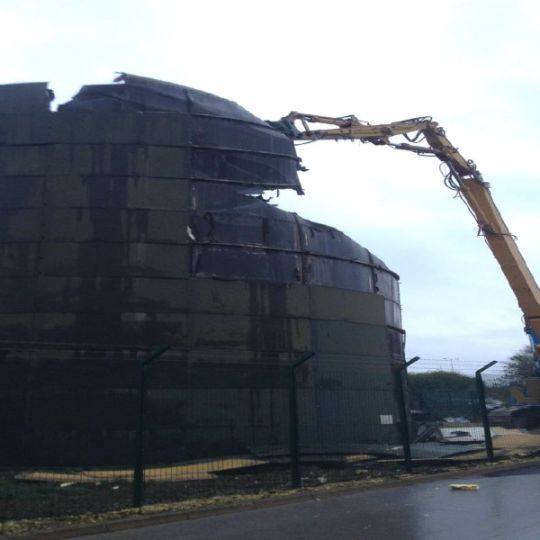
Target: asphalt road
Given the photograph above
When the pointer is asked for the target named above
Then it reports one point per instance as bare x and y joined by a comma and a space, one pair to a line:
507, 506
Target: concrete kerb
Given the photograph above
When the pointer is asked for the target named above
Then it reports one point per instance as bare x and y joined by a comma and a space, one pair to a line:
290, 497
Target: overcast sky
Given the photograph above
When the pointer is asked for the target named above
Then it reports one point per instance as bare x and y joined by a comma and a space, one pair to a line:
472, 65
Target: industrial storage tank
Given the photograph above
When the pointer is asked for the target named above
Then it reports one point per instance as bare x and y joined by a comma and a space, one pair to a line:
134, 216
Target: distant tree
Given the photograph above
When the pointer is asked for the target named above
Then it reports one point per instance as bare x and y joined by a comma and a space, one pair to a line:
519, 367
443, 393
447, 380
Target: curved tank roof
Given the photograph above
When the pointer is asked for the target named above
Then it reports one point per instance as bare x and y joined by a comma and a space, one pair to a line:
144, 94
234, 144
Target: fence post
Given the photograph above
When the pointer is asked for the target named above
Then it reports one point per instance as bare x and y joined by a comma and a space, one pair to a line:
293, 422
138, 466
483, 410
402, 406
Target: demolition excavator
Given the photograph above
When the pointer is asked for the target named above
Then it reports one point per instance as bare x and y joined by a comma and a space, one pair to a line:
425, 137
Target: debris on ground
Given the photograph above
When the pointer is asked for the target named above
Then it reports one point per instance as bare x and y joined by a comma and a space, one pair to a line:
200, 470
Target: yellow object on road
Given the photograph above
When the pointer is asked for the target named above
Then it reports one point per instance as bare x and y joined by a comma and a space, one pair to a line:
465, 487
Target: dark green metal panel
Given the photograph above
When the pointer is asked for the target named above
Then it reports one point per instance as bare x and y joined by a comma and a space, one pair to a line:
112, 225
245, 332
344, 305
350, 338
122, 192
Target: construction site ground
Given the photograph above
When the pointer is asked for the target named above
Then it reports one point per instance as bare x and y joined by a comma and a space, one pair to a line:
498, 506
318, 482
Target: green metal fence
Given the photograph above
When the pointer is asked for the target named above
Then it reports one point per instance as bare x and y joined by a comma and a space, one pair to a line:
143, 427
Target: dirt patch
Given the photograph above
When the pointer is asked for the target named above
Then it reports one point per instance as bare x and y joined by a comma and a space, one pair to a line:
201, 470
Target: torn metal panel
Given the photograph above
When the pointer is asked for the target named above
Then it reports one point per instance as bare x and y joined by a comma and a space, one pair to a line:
251, 169
25, 98
228, 144
245, 230
231, 262
224, 133
340, 273
235, 234
145, 94
324, 240
214, 197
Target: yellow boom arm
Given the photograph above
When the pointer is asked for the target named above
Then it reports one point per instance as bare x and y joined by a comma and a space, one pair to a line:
462, 176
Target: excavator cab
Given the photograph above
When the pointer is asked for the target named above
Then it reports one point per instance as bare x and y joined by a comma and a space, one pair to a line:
535, 346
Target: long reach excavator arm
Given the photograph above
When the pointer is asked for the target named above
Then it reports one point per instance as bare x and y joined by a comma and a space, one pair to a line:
462, 176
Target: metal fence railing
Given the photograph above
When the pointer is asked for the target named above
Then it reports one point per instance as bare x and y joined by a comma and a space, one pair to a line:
471, 410
97, 430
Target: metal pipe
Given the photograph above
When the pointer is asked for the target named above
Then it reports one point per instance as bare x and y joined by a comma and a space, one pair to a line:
138, 466
402, 406
483, 410
294, 442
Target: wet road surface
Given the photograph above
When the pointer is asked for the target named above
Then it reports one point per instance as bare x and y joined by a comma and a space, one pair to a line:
507, 506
